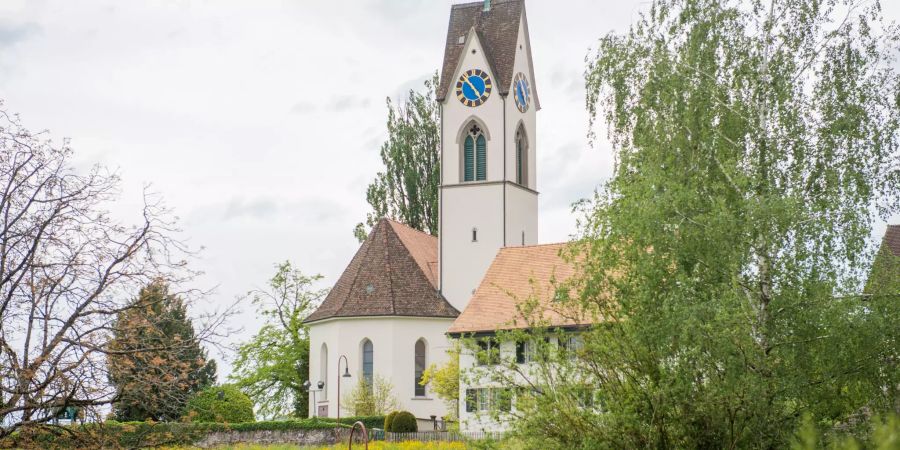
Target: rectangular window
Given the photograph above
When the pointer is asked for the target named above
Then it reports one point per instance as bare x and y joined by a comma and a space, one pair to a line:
471, 400
484, 400
488, 352
525, 351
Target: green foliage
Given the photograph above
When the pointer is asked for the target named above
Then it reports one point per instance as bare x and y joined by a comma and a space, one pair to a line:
366, 400
404, 422
883, 434
444, 380
113, 434
224, 403
388, 419
755, 143
273, 365
156, 362
407, 189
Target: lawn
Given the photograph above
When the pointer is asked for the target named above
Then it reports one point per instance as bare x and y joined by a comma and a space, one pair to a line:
379, 445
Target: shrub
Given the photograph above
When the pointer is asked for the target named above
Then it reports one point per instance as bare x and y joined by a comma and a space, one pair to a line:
388, 419
404, 422
224, 403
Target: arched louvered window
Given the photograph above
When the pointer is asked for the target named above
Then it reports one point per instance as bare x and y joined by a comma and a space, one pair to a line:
474, 164
419, 367
521, 157
368, 358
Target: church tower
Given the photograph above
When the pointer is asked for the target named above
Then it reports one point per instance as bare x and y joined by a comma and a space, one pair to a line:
488, 194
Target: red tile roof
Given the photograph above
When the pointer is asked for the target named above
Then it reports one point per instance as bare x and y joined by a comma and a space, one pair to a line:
517, 274
394, 273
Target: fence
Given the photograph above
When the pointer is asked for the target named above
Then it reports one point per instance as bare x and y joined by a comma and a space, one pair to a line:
428, 436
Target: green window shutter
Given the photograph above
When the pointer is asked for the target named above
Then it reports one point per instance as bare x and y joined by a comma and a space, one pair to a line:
469, 159
481, 159
519, 165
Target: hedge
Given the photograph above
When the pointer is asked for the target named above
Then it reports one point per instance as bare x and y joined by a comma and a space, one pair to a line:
404, 422
225, 403
147, 434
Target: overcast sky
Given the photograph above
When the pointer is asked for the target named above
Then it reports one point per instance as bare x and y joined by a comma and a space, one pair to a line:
260, 122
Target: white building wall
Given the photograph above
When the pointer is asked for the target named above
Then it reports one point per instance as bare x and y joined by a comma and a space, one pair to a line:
497, 208
393, 340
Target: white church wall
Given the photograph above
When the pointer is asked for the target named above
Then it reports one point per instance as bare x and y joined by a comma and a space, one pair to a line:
456, 119
478, 207
521, 216
393, 340
527, 119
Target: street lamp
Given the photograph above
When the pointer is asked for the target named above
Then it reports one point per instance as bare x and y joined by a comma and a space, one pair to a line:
345, 375
308, 386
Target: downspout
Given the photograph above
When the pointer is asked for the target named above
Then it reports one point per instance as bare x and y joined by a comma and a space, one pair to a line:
441, 207
503, 97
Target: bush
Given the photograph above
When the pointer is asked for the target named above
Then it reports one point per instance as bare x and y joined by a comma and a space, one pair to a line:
113, 434
388, 420
224, 403
404, 422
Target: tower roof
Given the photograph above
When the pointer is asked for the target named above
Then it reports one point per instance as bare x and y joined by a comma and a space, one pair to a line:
892, 239
497, 29
518, 274
394, 273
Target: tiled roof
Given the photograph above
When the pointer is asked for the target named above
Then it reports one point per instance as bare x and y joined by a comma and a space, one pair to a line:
517, 275
394, 273
498, 30
892, 239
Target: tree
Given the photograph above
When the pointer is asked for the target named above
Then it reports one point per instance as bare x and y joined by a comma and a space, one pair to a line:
272, 366
156, 362
755, 142
444, 380
225, 403
407, 190
376, 399
64, 266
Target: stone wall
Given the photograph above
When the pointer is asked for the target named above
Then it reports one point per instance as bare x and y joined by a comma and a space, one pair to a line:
299, 437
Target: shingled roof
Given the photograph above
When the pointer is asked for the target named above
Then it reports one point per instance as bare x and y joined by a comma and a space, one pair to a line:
516, 275
497, 29
892, 239
394, 273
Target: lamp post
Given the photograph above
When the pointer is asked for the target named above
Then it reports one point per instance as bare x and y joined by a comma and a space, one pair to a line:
345, 375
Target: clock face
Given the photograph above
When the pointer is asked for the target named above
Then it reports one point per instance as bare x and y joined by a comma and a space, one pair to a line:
522, 92
473, 87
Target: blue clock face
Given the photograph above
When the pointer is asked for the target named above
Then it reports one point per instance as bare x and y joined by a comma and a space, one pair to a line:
473, 87
521, 92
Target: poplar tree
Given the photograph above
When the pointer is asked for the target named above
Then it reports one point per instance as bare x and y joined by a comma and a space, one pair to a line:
407, 189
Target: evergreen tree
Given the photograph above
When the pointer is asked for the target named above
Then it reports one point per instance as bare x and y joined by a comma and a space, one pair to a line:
407, 189
155, 361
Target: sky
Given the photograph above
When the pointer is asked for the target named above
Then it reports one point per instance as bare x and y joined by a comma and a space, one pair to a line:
260, 123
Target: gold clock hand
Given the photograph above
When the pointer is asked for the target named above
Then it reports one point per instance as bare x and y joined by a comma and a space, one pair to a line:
466, 79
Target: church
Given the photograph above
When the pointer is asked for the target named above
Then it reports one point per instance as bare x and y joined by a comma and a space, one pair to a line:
405, 294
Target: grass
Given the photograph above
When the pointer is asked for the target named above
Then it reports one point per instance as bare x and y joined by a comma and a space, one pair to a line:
379, 445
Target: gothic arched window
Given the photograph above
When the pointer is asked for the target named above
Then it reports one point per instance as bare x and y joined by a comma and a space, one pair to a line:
420, 367
368, 358
521, 157
474, 155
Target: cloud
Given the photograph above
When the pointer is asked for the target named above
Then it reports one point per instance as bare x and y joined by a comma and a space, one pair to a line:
303, 108
12, 34
342, 103
257, 209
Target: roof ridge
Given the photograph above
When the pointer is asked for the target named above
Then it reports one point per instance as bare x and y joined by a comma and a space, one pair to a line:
387, 262
356, 274
549, 244
393, 221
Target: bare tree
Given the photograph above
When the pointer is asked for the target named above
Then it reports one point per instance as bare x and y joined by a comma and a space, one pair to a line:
66, 270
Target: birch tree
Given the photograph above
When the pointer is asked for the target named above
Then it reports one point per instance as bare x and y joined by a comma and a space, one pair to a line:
755, 142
